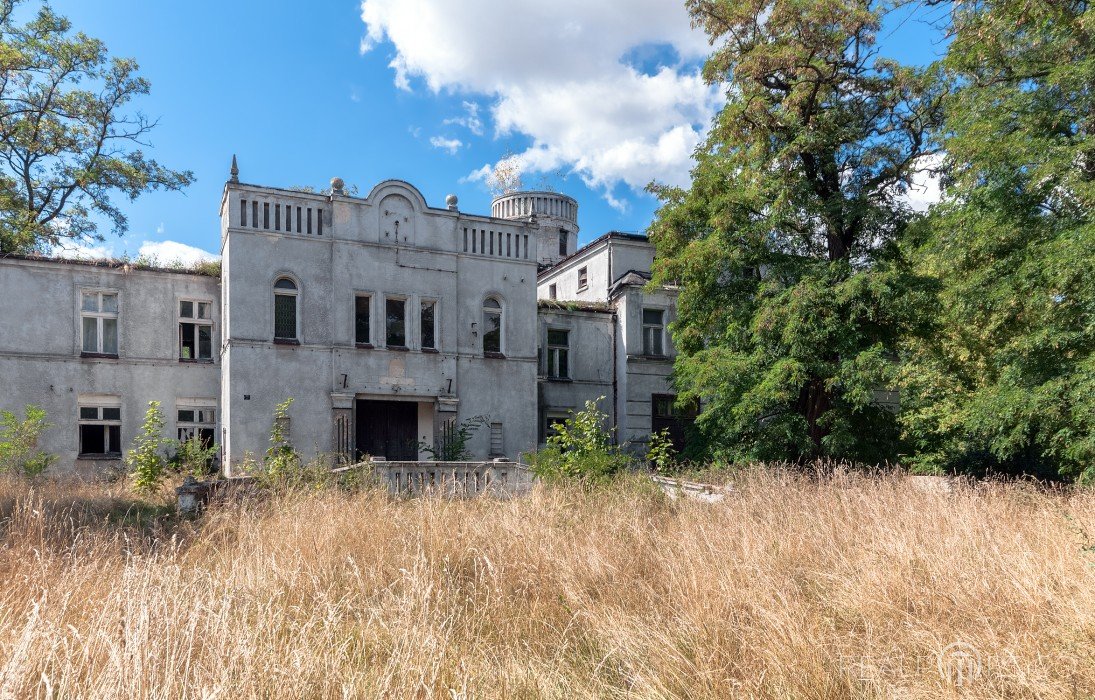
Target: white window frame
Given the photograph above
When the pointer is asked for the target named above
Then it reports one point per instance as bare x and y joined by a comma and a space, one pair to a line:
201, 411
99, 404
195, 321
501, 311
297, 295
583, 278
646, 327
551, 356
372, 318
100, 317
406, 334
423, 302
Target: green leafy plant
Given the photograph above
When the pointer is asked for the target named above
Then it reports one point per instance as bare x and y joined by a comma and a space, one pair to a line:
147, 460
581, 449
194, 457
452, 443
19, 441
282, 460
660, 451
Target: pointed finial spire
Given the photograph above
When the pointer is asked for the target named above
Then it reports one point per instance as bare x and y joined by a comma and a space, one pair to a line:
235, 171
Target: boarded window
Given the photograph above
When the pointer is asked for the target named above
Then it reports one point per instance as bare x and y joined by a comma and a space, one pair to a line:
496, 440
583, 278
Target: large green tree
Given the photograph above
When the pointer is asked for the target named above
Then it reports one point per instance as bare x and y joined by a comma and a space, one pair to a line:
1008, 380
68, 139
793, 296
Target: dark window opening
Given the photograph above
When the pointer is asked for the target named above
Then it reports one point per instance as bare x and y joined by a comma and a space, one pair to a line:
243, 212
362, 310
266, 215
492, 326
427, 320
255, 214
395, 322
558, 356
562, 243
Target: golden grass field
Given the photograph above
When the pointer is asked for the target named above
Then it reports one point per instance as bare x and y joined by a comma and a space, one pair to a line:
846, 586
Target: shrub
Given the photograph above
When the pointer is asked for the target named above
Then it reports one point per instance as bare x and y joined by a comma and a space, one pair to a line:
19, 441
660, 452
193, 457
581, 449
282, 461
147, 459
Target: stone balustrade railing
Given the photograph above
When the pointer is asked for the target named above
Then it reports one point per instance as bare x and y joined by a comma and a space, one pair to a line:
459, 479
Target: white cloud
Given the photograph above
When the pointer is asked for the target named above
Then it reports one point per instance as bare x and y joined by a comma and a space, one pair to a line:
562, 74
450, 145
470, 120
166, 252
83, 251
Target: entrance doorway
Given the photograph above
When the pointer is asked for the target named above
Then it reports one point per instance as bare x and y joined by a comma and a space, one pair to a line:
387, 429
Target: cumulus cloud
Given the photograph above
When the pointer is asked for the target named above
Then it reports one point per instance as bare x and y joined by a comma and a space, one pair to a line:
609, 90
172, 251
449, 145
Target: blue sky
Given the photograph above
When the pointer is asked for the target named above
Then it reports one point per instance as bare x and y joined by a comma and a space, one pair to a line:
596, 98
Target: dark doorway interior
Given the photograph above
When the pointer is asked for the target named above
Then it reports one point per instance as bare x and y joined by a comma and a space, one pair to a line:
665, 413
387, 429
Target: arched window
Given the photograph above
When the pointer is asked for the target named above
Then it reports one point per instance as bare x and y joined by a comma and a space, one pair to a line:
492, 326
285, 309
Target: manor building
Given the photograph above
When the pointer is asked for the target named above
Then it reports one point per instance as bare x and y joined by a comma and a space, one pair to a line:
383, 318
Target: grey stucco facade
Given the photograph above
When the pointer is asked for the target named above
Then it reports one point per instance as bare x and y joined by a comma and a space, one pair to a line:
382, 317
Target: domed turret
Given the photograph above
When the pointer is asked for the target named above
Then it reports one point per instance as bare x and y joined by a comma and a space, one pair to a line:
556, 216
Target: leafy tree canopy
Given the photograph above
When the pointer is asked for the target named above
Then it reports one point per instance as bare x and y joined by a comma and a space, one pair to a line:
1008, 379
67, 139
793, 294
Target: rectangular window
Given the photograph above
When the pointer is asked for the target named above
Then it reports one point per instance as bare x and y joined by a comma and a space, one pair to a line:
553, 291
266, 215
428, 320
277, 217
99, 322
319, 222
298, 219
583, 278
362, 319
653, 330
395, 323
243, 212
551, 425
526, 247
509, 245
563, 243
558, 355
195, 330
289, 218
199, 422
465, 239
254, 214
496, 440
309, 221
100, 430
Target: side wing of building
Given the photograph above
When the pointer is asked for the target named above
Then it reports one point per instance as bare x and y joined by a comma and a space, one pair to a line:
93, 344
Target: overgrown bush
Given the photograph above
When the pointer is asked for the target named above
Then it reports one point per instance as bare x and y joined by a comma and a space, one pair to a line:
19, 441
660, 452
581, 449
194, 457
282, 460
148, 459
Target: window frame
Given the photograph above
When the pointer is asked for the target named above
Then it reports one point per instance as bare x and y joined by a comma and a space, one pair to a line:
564, 241
423, 303
583, 278
368, 342
551, 356
404, 299
100, 317
501, 313
553, 291
99, 405
196, 322
296, 293
650, 326
194, 425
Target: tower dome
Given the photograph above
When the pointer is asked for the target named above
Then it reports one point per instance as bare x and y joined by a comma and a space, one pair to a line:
555, 215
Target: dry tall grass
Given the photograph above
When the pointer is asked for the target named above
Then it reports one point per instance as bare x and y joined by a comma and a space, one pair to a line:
792, 588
